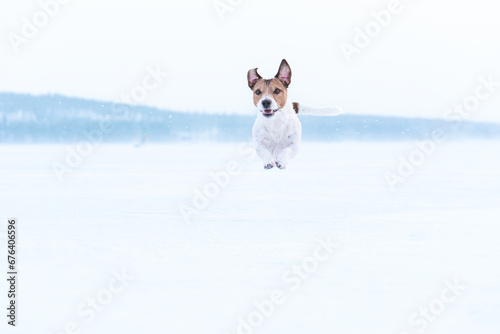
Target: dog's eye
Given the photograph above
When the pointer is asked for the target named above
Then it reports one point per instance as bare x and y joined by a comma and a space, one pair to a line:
258, 92
277, 91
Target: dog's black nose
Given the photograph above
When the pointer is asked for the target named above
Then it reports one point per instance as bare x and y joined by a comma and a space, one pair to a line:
266, 104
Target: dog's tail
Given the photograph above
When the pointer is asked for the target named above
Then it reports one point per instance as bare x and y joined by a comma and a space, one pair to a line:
306, 109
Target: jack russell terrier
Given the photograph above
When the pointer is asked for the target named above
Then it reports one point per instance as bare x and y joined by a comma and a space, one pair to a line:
277, 130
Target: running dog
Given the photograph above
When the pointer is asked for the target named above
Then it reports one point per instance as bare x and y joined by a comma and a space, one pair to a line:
277, 130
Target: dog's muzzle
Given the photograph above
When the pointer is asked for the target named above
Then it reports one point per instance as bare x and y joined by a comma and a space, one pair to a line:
268, 112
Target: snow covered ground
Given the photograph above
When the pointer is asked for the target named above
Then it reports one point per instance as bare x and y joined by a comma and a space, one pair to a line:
126, 243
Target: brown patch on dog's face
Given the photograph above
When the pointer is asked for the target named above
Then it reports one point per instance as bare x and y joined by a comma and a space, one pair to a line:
272, 89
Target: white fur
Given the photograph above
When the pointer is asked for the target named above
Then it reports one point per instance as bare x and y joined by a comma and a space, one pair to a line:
307, 109
277, 138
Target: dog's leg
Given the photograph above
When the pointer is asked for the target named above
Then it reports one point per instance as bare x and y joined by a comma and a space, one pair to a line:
266, 156
282, 158
287, 153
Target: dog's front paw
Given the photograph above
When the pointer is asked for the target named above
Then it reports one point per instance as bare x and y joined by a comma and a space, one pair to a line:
268, 166
280, 165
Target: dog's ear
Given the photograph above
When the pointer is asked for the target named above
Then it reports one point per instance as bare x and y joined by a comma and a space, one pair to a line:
253, 77
285, 73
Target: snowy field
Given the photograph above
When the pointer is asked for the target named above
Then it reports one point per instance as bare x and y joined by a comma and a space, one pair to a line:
323, 247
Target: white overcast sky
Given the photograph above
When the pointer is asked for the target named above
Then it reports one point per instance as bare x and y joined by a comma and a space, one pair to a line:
427, 59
